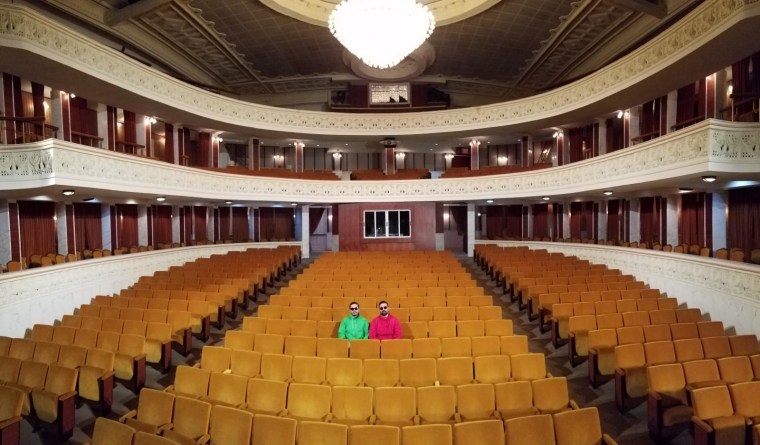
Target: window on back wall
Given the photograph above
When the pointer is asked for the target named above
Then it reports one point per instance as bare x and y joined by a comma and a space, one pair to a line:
387, 223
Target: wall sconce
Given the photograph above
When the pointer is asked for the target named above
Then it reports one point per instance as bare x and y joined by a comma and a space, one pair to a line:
555, 135
627, 114
502, 160
73, 96
401, 155
620, 114
337, 156
278, 157
448, 156
218, 139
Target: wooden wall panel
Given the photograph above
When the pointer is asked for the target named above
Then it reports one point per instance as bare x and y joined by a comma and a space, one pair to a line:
351, 223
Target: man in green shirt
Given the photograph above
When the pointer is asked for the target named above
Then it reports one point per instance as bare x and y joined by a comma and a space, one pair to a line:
354, 326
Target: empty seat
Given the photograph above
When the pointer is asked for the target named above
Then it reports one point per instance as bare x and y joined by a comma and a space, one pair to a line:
301, 346
481, 431
154, 412
688, 349
715, 420
396, 406
530, 430
320, 433
216, 358
396, 349
476, 402
550, 395
344, 372
230, 426
514, 344
456, 370
111, 432
736, 369
245, 363
190, 420
364, 349
266, 396
426, 434
374, 435
352, 405
630, 374
436, 404
530, 366
668, 406
716, 347
381, 372
190, 382
426, 347
456, 347
332, 347
492, 369
579, 427
418, 372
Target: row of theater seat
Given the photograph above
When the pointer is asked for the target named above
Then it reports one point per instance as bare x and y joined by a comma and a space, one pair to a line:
114, 319
696, 394
383, 292
647, 299
438, 312
371, 404
632, 360
201, 312
409, 330
315, 274
48, 392
227, 300
401, 348
454, 285
231, 426
420, 313
608, 291
371, 302
372, 372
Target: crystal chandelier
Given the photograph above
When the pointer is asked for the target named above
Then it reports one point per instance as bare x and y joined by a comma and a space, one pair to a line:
381, 32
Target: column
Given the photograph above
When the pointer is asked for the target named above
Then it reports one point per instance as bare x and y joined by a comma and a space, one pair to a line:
5, 232
474, 158
305, 238
439, 236
626, 128
215, 148
559, 155
211, 224
470, 237
601, 228
103, 127
106, 227
299, 156
672, 223
254, 153
719, 217
142, 137
633, 123
175, 224
142, 224
175, 143
62, 223
566, 223
635, 217
60, 111
601, 148
671, 117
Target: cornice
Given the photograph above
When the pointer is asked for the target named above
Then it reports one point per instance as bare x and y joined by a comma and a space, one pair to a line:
725, 20
710, 146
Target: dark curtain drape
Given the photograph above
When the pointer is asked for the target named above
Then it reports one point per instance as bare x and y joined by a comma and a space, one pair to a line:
576, 138
581, 219
204, 149
514, 218
459, 216
199, 221
745, 78
240, 224
696, 219
223, 223
540, 221
648, 221
613, 220
88, 226
495, 221
691, 101
744, 219
315, 216
130, 127
162, 224
126, 215
169, 143
37, 227
649, 121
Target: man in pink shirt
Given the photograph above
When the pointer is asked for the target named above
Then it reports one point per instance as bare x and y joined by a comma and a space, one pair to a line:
385, 325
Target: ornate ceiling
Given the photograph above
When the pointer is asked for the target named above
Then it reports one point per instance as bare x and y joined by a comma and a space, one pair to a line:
246, 49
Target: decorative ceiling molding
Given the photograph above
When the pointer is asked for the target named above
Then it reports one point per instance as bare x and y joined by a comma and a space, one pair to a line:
316, 12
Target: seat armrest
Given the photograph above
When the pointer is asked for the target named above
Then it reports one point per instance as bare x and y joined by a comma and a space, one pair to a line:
130, 415
164, 427
607, 440
573, 404
202, 440
10, 421
67, 395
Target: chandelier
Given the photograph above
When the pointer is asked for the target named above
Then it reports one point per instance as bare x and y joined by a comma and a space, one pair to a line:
381, 32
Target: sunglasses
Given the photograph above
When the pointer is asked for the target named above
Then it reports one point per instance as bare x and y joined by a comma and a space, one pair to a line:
354, 308
383, 307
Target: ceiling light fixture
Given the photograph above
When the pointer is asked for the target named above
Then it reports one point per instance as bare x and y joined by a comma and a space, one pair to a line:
546, 198
68, 192
685, 190
607, 192
490, 201
161, 198
362, 27
709, 178
228, 202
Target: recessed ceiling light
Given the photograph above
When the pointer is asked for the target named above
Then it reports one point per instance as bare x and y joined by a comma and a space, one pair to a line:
294, 203
68, 192
709, 178
546, 198
228, 202
161, 198
490, 201
607, 192
685, 190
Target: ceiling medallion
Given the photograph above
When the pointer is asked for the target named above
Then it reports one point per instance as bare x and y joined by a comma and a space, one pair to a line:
381, 33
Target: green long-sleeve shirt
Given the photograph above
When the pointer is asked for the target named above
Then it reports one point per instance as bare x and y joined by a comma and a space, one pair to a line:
352, 328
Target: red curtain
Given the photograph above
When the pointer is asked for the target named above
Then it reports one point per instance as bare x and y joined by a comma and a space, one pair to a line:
88, 226
199, 220
648, 221
162, 224
495, 221
37, 228
169, 143
613, 220
581, 219
240, 224
691, 101
696, 219
276, 223
514, 218
130, 127
459, 216
126, 225
204, 148
576, 138
540, 221
744, 219
223, 223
